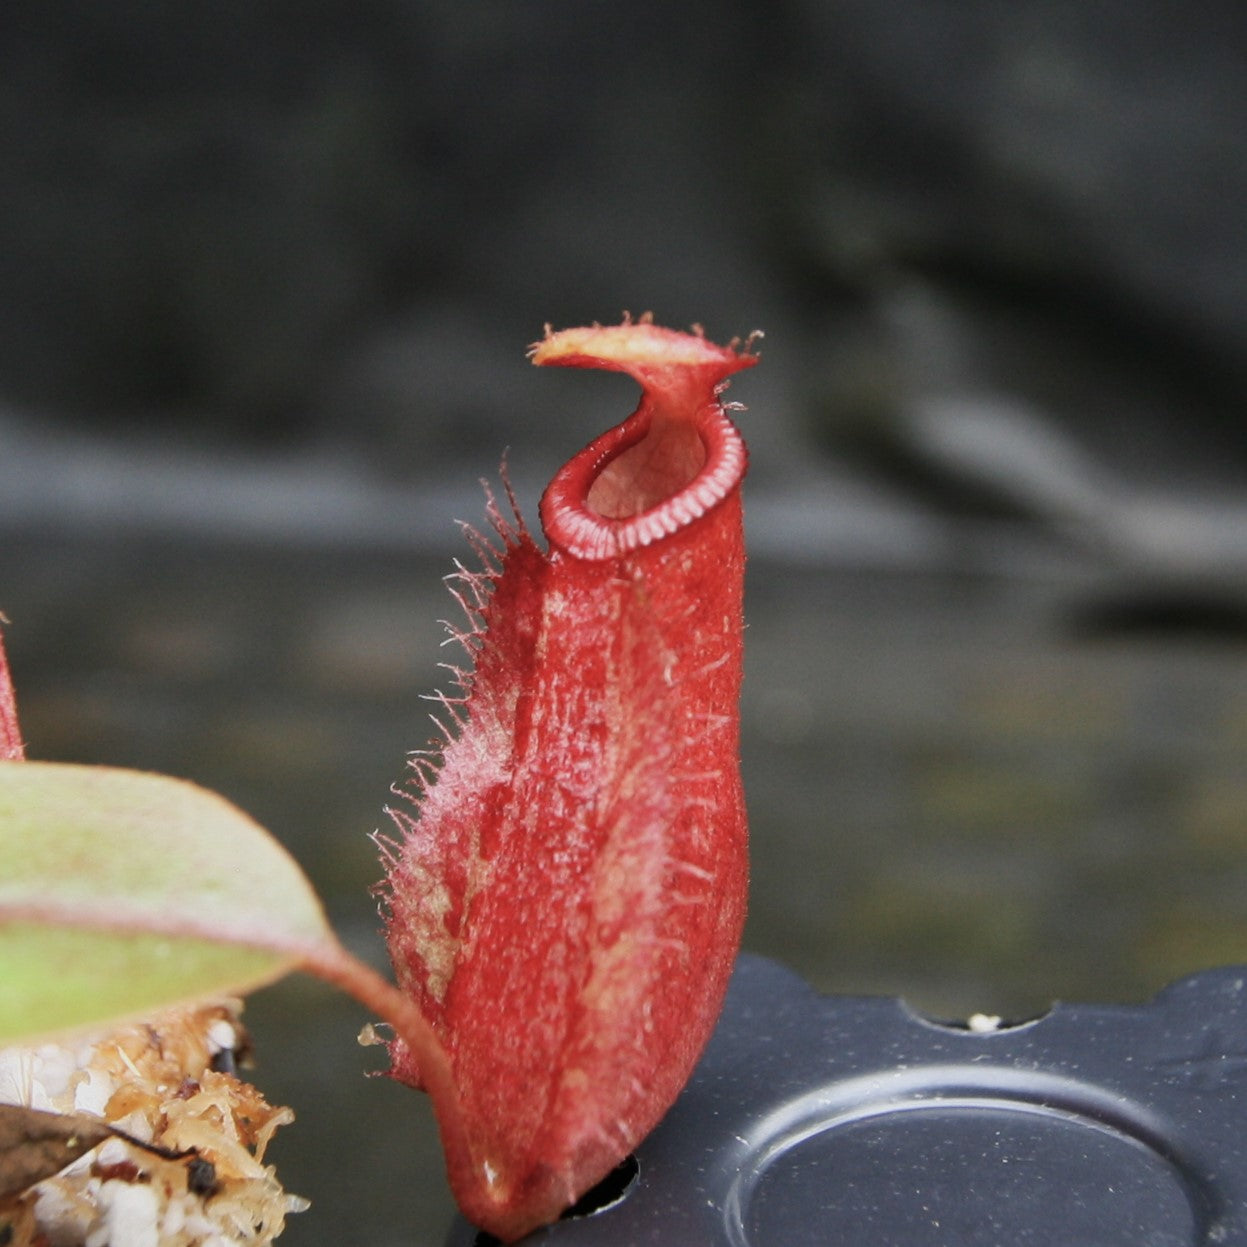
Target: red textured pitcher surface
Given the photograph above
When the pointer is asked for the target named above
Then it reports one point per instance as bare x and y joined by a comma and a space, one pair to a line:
566, 894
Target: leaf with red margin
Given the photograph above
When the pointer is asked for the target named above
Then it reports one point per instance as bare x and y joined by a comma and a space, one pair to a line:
124, 892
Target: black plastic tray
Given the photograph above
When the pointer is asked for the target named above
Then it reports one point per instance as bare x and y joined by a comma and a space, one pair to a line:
852, 1121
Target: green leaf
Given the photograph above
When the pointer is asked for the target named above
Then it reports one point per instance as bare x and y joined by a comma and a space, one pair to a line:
122, 892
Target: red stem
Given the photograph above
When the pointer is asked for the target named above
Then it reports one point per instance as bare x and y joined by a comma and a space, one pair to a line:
335, 965
11, 747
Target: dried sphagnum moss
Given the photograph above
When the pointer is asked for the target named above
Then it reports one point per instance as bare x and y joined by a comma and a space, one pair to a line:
168, 1082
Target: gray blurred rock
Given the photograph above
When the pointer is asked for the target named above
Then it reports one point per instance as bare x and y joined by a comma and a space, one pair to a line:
211, 209
344, 221
1108, 131
1085, 160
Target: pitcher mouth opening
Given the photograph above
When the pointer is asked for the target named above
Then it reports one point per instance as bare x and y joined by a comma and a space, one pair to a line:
644, 480
664, 462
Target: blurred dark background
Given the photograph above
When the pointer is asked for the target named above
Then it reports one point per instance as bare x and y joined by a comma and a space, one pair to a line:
267, 273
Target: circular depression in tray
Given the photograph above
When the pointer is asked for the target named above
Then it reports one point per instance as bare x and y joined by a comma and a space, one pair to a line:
1026, 1160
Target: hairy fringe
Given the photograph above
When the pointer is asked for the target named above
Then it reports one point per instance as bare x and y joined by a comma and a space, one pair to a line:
472, 590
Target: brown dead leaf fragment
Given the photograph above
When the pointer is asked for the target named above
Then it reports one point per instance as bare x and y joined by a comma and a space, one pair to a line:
35, 1145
